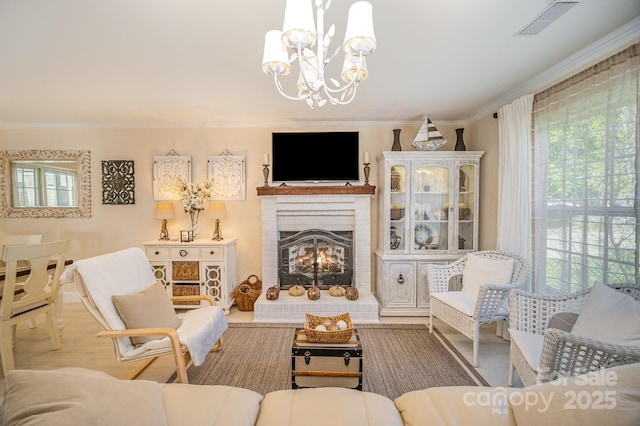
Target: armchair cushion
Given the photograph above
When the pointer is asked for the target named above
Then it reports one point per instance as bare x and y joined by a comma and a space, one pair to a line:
76, 396
610, 316
458, 300
530, 344
148, 308
481, 270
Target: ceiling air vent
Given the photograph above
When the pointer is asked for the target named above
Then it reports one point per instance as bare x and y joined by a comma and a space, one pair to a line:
550, 14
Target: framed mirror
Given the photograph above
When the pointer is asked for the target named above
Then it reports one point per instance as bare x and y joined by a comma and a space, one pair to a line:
45, 183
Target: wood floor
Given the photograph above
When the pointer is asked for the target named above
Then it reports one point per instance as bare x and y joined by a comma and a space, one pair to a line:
80, 347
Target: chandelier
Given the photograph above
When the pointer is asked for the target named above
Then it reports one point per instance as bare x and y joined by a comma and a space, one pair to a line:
299, 35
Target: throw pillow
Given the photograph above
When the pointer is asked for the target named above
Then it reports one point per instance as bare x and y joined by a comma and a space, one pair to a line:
610, 316
149, 308
563, 321
480, 270
77, 396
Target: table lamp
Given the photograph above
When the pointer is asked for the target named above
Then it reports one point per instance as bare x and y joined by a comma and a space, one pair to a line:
164, 211
217, 211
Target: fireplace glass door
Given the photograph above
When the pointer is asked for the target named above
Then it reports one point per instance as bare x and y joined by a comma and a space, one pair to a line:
315, 256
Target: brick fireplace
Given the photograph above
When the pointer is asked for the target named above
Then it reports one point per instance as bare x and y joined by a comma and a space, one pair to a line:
287, 210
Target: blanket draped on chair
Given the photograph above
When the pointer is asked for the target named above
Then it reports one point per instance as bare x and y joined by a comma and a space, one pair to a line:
127, 272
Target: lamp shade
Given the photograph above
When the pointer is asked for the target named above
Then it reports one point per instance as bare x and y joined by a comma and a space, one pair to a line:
359, 36
275, 59
164, 211
216, 210
350, 69
298, 27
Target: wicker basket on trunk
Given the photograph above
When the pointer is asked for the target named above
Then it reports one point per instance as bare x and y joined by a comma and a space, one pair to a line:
316, 336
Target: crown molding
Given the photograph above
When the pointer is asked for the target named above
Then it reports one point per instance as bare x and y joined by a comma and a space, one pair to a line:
596, 51
212, 124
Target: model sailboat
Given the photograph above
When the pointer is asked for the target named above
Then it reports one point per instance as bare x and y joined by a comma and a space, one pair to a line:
428, 137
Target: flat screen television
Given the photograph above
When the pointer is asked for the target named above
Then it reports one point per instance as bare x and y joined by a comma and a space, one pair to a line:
315, 157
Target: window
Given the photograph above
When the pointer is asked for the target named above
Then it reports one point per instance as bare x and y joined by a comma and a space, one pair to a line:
38, 184
586, 179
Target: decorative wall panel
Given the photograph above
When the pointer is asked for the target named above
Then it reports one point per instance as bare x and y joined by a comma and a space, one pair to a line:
166, 168
228, 174
118, 182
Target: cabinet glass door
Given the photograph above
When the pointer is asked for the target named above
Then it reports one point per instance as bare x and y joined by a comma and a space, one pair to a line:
398, 207
430, 208
466, 206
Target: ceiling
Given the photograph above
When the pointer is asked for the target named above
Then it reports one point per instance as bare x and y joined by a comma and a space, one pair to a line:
198, 62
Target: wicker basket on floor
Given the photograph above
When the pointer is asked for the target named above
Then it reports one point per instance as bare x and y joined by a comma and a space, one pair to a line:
253, 281
246, 296
317, 336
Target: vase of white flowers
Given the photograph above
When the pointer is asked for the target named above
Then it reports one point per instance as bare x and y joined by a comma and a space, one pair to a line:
194, 196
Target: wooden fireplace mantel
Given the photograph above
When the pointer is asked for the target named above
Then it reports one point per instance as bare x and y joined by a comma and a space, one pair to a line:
317, 190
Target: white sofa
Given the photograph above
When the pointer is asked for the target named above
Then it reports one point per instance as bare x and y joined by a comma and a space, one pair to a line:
80, 396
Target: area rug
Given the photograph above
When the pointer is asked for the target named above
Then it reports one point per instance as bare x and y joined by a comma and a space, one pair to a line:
397, 358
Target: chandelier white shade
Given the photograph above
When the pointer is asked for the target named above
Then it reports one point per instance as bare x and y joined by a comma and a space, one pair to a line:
299, 34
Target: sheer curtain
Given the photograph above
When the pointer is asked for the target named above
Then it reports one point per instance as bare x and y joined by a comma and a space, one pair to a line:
514, 177
586, 191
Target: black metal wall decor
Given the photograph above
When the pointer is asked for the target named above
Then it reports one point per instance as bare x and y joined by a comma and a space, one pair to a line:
118, 182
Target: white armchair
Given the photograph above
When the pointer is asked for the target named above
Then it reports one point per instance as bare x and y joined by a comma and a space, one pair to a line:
120, 291
489, 276
542, 346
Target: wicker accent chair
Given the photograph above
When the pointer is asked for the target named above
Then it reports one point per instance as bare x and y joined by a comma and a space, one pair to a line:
561, 354
467, 316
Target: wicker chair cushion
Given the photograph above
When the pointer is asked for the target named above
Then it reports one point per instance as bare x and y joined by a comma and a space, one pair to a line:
481, 270
609, 316
530, 344
461, 302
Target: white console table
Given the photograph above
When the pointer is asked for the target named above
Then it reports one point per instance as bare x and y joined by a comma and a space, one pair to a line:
198, 267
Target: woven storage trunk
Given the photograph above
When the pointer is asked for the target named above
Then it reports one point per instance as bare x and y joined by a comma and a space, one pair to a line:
245, 297
316, 365
317, 336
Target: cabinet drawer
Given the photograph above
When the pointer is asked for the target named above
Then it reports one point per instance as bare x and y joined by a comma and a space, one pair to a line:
212, 253
185, 270
158, 253
180, 253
